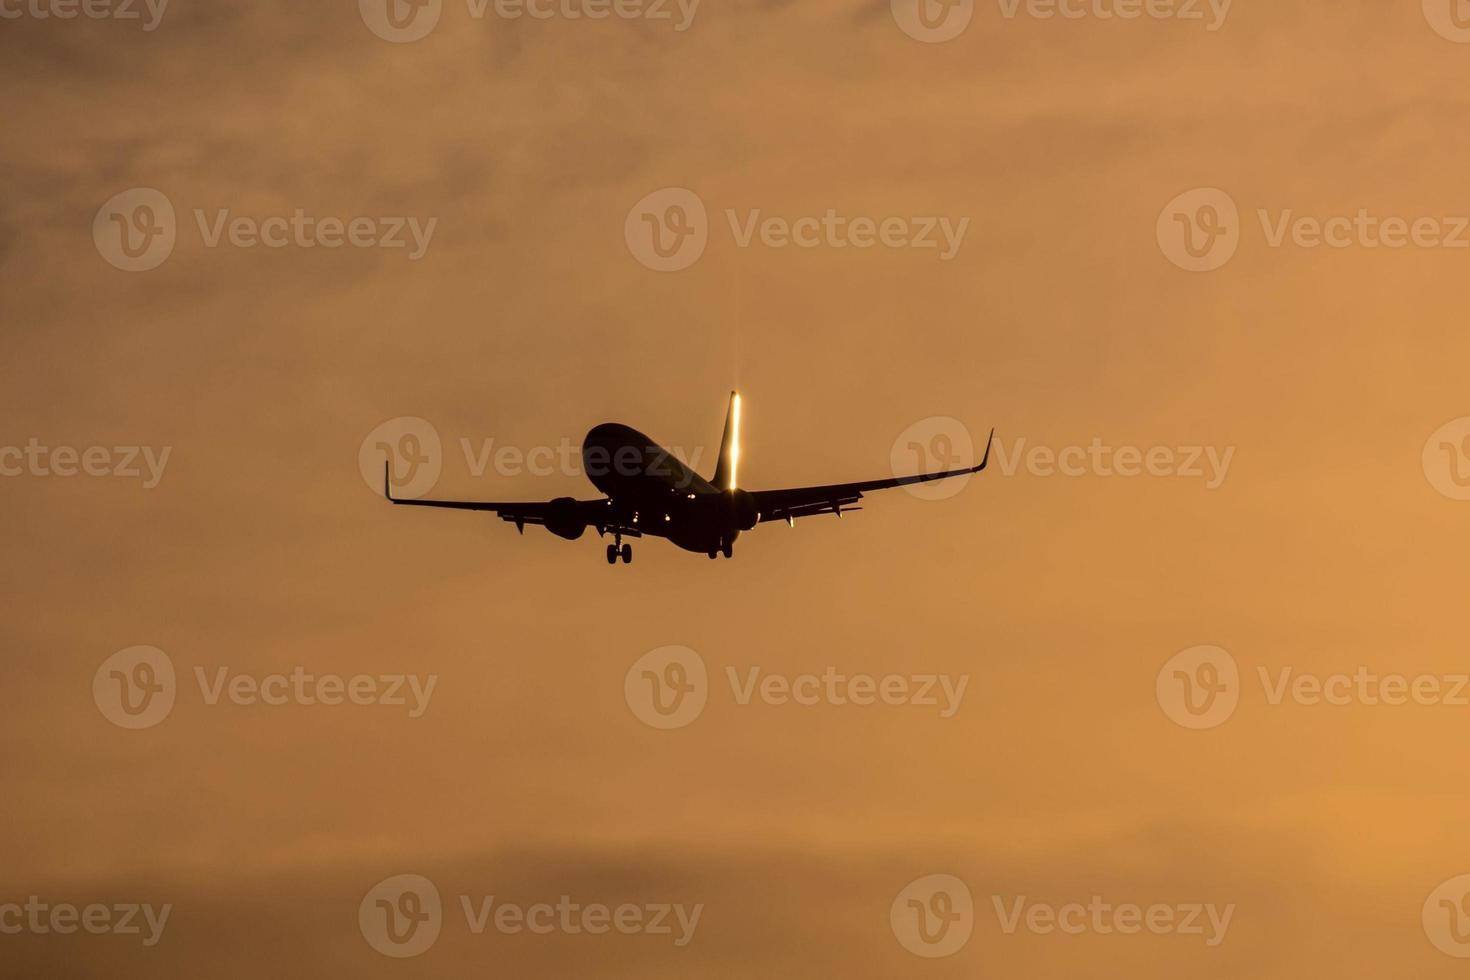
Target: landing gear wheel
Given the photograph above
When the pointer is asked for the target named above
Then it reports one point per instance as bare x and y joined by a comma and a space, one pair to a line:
612, 554
714, 552
727, 549
627, 552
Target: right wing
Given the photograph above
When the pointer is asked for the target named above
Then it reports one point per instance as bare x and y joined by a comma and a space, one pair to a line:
594, 513
836, 498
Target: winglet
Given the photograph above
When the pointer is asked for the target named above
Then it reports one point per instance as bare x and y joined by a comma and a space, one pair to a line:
986, 458
387, 490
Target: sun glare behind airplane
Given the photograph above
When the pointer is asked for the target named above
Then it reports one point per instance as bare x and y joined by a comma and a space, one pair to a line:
735, 442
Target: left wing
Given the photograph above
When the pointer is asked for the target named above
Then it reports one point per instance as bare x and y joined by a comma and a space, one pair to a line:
595, 513
836, 498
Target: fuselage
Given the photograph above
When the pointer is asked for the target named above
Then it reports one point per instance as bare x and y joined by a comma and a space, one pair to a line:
652, 489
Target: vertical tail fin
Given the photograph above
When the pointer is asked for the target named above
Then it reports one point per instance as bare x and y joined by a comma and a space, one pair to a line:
726, 469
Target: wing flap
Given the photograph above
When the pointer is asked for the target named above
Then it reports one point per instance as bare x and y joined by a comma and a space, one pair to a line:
787, 505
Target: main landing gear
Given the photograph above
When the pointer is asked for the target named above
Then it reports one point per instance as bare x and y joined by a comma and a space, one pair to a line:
619, 550
727, 548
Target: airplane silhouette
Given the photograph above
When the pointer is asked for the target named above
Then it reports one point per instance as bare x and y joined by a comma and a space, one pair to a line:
651, 492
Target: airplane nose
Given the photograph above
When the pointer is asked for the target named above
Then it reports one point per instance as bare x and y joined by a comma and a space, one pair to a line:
602, 436
599, 449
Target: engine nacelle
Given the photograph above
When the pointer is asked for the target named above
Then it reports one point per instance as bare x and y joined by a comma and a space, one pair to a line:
742, 509
562, 520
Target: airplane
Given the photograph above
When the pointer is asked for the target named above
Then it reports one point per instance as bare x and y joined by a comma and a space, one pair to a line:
650, 492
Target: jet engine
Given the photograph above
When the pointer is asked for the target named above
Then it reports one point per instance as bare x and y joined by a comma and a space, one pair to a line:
562, 519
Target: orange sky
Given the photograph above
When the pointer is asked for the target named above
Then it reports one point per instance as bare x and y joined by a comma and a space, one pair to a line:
1324, 546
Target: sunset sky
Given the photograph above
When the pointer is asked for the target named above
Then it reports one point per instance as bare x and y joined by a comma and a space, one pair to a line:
1305, 405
